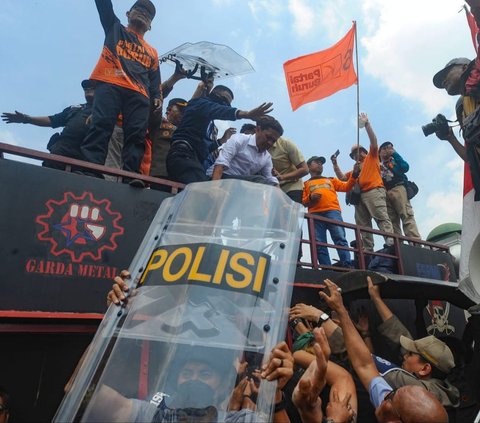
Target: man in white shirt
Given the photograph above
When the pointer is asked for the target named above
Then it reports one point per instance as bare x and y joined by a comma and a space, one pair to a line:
246, 157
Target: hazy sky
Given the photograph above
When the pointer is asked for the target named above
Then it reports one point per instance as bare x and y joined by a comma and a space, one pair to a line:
49, 46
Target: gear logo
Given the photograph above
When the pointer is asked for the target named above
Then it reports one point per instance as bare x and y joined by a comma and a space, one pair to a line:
79, 226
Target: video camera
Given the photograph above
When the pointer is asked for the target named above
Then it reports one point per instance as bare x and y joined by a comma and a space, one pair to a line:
439, 125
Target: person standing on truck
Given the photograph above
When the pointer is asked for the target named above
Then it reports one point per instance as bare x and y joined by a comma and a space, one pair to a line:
128, 82
74, 120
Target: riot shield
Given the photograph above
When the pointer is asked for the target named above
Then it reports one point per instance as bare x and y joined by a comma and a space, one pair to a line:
214, 277
204, 59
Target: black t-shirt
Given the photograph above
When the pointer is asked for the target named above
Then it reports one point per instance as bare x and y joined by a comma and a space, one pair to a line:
74, 121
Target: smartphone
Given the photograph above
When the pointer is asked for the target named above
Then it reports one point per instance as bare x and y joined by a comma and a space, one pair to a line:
336, 153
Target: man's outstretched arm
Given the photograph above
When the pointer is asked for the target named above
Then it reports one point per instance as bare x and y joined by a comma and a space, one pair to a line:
358, 352
18, 117
106, 13
371, 134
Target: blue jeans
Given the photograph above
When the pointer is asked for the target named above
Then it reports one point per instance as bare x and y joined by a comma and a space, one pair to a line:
338, 236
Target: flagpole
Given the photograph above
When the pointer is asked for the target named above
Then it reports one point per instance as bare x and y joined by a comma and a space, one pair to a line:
358, 86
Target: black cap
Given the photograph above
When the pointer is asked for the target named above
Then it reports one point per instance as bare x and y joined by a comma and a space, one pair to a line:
147, 6
385, 144
88, 83
320, 159
439, 77
180, 102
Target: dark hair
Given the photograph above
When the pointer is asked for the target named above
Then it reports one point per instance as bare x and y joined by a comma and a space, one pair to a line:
436, 372
223, 88
6, 398
179, 102
269, 122
385, 144
247, 127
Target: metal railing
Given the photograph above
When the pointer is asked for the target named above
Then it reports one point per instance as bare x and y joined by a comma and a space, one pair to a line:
166, 185
359, 252
73, 164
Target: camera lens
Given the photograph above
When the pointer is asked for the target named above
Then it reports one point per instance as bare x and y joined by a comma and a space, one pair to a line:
429, 129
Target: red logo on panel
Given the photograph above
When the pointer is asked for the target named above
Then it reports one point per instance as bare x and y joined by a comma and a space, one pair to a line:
80, 226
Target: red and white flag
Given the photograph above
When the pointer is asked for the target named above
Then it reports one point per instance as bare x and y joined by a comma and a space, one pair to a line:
471, 208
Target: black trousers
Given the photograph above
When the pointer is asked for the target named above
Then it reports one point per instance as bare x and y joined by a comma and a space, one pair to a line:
183, 165
108, 102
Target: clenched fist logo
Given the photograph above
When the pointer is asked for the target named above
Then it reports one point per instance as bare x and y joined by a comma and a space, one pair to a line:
79, 226
81, 223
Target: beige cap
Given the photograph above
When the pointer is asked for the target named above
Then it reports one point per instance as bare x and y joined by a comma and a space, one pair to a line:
431, 349
356, 148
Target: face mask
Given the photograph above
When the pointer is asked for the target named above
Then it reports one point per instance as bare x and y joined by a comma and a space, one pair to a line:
193, 394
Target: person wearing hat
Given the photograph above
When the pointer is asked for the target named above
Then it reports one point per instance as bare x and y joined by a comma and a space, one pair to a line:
426, 361
452, 78
189, 148
393, 168
128, 83
320, 197
373, 198
461, 76
409, 402
73, 119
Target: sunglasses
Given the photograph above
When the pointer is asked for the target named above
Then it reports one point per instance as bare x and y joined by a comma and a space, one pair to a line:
389, 397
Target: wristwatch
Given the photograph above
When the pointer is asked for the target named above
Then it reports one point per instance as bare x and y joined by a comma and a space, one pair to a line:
323, 318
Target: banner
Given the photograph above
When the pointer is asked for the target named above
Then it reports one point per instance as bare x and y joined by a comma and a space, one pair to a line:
471, 208
473, 27
66, 237
319, 75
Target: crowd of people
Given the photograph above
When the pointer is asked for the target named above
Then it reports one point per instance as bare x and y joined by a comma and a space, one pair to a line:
331, 372
331, 369
121, 125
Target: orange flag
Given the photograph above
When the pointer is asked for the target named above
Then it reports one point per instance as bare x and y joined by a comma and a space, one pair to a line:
319, 75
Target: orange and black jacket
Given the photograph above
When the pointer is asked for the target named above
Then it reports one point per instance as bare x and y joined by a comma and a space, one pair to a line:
126, 60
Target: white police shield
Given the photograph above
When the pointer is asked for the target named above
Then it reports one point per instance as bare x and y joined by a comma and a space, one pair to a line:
210, 290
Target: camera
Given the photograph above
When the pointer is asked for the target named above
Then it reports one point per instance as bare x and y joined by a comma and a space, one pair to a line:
439, 124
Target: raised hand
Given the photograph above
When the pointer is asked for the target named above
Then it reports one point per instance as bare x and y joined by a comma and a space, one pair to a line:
334, 297
363, 119
306, 393
304, 311
16, 117
119, 288
259, 111
279, 365
339, 410
373, 290
227, 134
